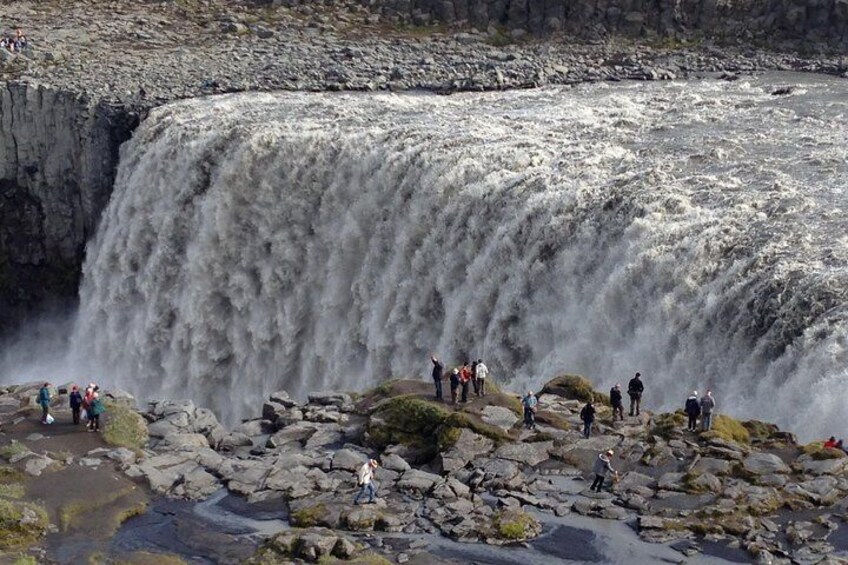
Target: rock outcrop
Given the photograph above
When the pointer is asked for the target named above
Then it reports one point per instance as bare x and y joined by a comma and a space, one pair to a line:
58, 154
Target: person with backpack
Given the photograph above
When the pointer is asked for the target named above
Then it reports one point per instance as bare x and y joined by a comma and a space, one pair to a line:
365, 480
482, 375
438, 370
44, 401
97, 408
635, 388
530, 402
76, 404
693, 410
602, 468
454, 385
588, 417
707, 406
617, 404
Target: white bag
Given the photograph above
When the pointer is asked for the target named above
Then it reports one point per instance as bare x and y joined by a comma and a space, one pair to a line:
50, 419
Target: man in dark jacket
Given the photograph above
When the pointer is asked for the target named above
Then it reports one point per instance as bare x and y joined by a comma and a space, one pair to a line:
438, 370
617, 404
693, 410
454, 384
588, 417
635, 388
76, 403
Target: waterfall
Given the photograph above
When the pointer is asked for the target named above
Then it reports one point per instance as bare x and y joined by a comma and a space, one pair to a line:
688, 230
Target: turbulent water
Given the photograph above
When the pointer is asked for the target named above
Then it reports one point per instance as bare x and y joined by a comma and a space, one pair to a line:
693, 231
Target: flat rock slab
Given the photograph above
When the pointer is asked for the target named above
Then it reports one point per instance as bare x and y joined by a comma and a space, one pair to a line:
499, 416
527, 453
764, 464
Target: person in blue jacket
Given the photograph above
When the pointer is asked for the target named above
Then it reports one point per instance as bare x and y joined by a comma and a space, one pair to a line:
44, 400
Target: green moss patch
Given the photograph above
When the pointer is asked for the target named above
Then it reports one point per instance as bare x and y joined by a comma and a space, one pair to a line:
514, 525
407, 420
11, 449
575, 387
665, 425
819, 452
10, 475
12, 490
124, 427
729, 429
309, 516
21, 524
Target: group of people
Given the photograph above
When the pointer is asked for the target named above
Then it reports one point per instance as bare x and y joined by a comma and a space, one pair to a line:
461, 378
832, 443
700, 407
15, 43
88, 402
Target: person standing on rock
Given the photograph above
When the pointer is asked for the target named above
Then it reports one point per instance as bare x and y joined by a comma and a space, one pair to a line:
482, 374
588, 417
707, 407
602, 468
616, 402
464, 379
365, 480
454, 384
438, 370
474, 382
530, 402
635, 388
44, 401
693, 410
76, 404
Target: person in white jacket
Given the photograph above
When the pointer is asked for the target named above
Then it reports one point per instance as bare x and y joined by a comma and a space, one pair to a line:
365, 480
481, 374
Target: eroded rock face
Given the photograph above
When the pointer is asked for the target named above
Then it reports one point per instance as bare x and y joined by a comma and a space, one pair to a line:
58, 154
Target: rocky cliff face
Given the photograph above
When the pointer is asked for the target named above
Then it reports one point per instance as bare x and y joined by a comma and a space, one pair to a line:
792, 21
58, 153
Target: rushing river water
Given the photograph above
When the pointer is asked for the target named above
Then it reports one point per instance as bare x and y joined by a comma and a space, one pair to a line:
693, 231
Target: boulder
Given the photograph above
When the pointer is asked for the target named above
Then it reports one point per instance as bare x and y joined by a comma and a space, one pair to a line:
712, 465
394, 462
467, 446
338, 399
499, 416
197, 485
348, 460
764, 464
812, 466
418, 481
177, 441
283, 398
527, 453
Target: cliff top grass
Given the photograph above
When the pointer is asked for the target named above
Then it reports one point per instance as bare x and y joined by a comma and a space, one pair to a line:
819, 452
21, 524
124, 427
729, 429
575, 387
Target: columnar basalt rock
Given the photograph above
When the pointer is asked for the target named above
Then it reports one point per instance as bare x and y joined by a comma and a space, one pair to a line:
58, 154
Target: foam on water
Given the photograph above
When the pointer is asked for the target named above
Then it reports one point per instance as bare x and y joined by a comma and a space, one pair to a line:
693, 231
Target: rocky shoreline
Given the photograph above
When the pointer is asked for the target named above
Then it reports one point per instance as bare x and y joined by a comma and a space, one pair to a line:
469, 473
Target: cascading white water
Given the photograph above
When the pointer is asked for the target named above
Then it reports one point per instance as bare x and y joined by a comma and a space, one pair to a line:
692, 231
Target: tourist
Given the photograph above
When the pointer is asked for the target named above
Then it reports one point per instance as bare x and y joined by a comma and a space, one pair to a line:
97, 408
76, 404
44, 400
529, 402
707, 407
588, 417
438, 370
831, 443
474, 378
635, 388
454, 384
693, 410
464, 379
87, 401
616, 402
602, 468
365, 480
482, 374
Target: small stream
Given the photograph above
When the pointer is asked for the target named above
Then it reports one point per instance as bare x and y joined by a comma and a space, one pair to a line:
226, 529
